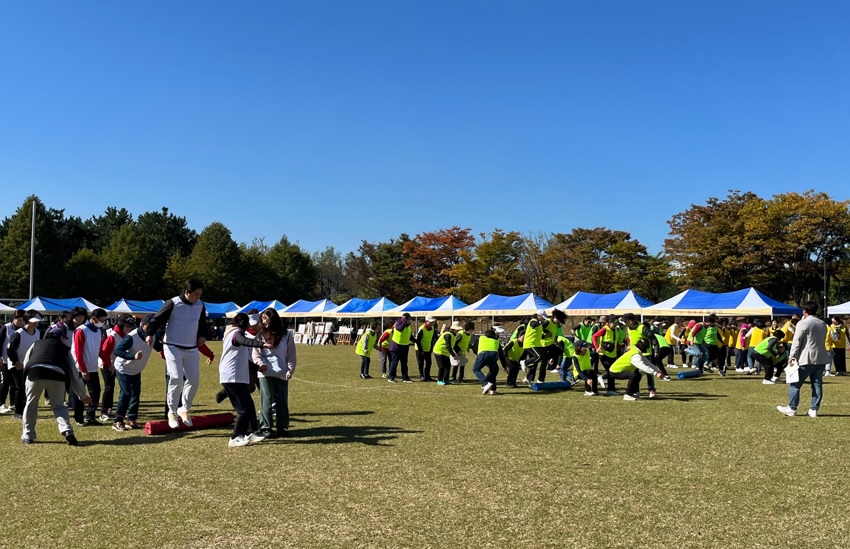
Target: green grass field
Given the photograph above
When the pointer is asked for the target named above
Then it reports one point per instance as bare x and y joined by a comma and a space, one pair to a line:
709, 463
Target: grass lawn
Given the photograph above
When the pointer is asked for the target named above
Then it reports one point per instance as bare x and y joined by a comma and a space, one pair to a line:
709, 463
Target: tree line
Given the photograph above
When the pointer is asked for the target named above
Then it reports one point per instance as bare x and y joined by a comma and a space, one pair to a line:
779, 245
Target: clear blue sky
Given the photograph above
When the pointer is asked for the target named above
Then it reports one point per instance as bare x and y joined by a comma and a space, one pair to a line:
336, 121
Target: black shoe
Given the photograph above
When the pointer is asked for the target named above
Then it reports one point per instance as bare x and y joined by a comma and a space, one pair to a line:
27, 441
391, 379
282, 434
70, 438
220, 397
19, 416
367, 377
511, 385
91, 422
362, 376
422, 378
407, 380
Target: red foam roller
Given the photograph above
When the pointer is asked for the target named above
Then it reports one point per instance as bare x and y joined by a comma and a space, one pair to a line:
198, 422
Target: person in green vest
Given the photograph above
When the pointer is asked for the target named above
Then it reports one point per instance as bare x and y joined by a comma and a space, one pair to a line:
363, 348
605, 341
423, 344
399, 348
514, 352
460, 359
712, 342
583, 368
631, 366
552, 330
567, 351
584, 332
489, 354
665, 350
635, 331
534, 348
771, 354
444, 350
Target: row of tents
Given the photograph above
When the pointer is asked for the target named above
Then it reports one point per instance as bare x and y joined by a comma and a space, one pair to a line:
746, 302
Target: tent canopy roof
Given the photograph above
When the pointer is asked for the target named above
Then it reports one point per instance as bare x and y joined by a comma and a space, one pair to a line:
748, 301
586, 303
500, 305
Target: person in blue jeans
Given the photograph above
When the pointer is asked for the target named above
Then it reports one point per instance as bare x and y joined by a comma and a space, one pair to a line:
809, 353
489, 354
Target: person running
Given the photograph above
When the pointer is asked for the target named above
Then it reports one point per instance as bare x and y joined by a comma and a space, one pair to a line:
444, 350
235, 377
631, 365
184, 318
489, 355
423, 345
7, 385
363, 348
131, 357
19, 344
49, 366
278, 367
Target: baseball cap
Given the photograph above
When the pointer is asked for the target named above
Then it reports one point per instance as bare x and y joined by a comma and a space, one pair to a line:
430, 318
541, 312
35, 319
253, 320
498, 329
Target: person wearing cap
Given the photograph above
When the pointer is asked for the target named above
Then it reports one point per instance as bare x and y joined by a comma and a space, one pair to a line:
459, 361
444, 350
114, 335
363, 348
583, 368
131, 355
85, 348
534, 349
631, 365
513, 351
424, 345
489, 354
48, 367
19, 344
399, 348
7, 385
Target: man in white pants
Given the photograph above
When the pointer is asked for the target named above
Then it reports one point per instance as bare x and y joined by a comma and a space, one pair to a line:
184, 318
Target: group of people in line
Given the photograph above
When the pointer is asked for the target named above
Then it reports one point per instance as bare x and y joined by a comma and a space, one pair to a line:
72, 356
597, 352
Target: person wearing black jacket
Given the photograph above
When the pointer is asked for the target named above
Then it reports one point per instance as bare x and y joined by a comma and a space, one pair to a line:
7, 386
48, 366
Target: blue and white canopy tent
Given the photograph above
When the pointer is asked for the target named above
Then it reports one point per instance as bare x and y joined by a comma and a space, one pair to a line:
589, 304
219, 310
259, 305
303, 308
364, 308
498, 305
437, 306
134, 307
746, 302
54, 306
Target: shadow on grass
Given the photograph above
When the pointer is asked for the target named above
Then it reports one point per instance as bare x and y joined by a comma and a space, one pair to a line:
376, 435
300, 417
687, 397
135, 440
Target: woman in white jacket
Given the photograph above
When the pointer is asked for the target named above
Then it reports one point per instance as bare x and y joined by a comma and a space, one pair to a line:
278, 366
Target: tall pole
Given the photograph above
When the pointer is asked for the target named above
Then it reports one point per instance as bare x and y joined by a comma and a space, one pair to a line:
32, 248
824, 286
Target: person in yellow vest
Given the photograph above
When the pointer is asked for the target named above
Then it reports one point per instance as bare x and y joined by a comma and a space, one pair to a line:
384, 350
722, 347
634, 332
664, 350
534, 347
489, 354
583, 368
399, 348
672, 336
631, 365
836, 343
605, 342
514, 351
567, 350
552, 329
788, 329
423, 344
770, 353
444, 350
363, 348
756, 334
460, 360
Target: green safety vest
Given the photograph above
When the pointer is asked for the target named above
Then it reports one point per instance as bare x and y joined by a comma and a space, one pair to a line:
569, 348
711, 337
516, 350
371, 337
699, 338
441, 347
550, 333
401, 337
385, 344
533, 337
487, 344
463, 341
427, 337
584, 333
662, 341
609, 337
762, 348
583, 363
624, 363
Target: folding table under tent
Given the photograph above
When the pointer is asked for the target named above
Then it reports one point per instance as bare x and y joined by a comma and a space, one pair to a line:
259, 305
747, 302
219, 310
842, 309
303, 308
130, 306
494, 305
54, 306
435, 306
618, 303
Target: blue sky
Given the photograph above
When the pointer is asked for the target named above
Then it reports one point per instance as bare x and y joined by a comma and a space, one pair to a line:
336, 121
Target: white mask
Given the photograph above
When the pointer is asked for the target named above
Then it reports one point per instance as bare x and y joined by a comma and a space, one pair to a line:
98, 324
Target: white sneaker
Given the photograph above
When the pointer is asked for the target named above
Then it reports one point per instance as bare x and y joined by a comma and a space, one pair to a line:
767, 382
522, 365
828, 374
487, 387
812, 413
739, 370
105, 418
172, 420
254, 439
774, 379
240, 440
601, 381
673, 366
786, 410
612, 393
629, 397
589, 394
5, 409
184, 415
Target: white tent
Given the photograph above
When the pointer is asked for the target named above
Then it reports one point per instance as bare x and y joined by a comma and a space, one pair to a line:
5, 309
586, 303
842, 309
500, 305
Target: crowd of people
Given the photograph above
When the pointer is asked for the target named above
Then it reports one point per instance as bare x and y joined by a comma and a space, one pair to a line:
598, 352
71, 357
